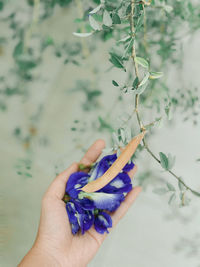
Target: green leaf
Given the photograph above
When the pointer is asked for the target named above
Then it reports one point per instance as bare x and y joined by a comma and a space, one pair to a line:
115, 139
47, 41
172, 199
190, 7
181, 186
94, 24
186, 201
144, 80
125, 39
140, 89
166, 162
128, 47
116, 61
155, 75
139, 22
82, 34
168, 8
135, 83
171, 187
116, 19
107, 18
18, 49
28, 175
171, 161
157, 123
26, 62
123, 135
115, 83
160, 191
141, 61
1, 5
168, 111
78, 20
163, 160
17, 131
119, 152
128, 10
104, 124
96, 9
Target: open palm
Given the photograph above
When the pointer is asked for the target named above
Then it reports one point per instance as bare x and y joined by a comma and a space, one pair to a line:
54, 232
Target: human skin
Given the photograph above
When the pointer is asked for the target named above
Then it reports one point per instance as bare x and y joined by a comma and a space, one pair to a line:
55, 245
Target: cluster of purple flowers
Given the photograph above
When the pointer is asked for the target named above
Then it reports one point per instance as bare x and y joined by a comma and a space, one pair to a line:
87, 209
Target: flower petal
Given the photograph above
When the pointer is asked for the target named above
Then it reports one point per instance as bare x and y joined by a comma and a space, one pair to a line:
87, 221
75, 228
76, 181
78, 217
102, 200
102, 166
128, 167
87, 204
82, 206
102, 222
120, 184
71, 211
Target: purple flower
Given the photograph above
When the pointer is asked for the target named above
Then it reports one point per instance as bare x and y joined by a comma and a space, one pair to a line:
102, 201
78, 217
102, 222
75, 182
82, 205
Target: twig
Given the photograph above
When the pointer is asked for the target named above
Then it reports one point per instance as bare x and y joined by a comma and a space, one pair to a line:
145, 30
142, 128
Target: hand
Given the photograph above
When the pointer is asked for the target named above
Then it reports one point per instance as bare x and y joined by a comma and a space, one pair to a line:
55, 245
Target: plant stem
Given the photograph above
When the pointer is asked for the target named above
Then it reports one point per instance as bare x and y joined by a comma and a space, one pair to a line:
142, 128
145, 30
133, 54
172, 173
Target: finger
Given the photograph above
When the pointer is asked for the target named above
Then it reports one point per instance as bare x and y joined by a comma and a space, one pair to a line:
93, 152
125, 205
57, 187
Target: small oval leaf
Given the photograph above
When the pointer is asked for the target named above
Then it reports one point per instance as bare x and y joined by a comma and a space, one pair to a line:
107, 19
141, 61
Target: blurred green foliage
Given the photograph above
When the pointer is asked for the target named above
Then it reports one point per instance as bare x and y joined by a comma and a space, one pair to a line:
159, 28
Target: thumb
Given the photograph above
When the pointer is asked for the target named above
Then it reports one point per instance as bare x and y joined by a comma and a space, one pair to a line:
57, 187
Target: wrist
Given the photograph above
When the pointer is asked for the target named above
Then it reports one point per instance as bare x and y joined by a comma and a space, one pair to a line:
40, 256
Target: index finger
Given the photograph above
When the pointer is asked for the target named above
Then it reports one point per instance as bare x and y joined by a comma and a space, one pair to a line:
93, 152
57, 187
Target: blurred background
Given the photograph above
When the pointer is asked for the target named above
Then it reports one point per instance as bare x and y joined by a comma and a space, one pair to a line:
56, 98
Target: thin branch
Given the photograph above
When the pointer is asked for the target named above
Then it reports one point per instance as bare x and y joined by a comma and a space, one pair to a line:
171, 172
145, 30
133, 54
142, 128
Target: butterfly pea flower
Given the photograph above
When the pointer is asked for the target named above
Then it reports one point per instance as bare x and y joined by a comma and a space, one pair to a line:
102, 222
85, 209
78, 217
